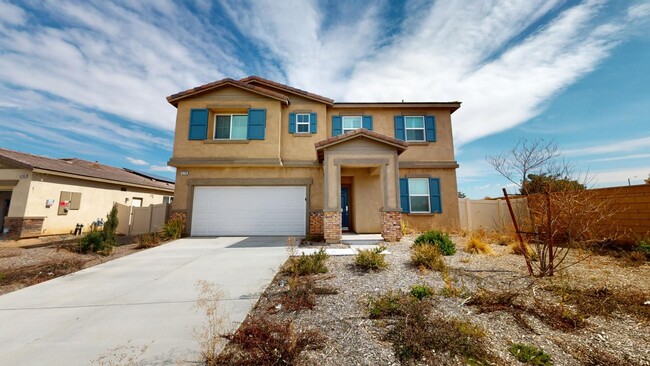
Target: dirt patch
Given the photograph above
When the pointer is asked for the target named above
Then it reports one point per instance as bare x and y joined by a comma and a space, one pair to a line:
586, 314
21, 267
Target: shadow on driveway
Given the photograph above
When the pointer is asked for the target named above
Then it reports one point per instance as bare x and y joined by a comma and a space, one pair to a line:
261, 242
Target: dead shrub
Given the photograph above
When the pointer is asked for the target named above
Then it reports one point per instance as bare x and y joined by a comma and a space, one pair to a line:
515, 248
264, 342
209, 335
476, 245
555, 316
299, 294
602, 301
592, 356
148, 240
427, 256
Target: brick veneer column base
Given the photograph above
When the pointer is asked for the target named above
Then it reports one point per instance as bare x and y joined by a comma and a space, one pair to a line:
316, 223
332, 226
391, 228
23, 227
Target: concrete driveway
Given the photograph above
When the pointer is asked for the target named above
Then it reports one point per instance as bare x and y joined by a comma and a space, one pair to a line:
144, 298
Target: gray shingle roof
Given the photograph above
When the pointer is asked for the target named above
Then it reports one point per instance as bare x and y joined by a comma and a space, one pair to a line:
79, 167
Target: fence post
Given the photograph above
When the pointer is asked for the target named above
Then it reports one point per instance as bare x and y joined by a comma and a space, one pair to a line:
468, 214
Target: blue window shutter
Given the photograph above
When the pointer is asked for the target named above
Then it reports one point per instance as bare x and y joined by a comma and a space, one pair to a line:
198, 124
312, 123
399, 128
367, 122
292, 123
430, 124
337, 125
256, 124
434, 195
404, 195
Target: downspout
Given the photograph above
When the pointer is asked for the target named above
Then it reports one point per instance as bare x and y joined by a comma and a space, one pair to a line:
280, 137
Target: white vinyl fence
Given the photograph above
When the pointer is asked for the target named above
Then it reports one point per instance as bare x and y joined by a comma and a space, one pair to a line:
487, 214
141, 220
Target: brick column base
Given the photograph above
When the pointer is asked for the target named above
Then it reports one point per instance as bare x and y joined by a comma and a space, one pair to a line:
391, 228
332, 226
316, 223
23, 227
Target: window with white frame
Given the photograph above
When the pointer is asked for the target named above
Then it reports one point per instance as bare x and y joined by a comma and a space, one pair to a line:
419, 195
230, 127
414, 126
302, 123
351, 123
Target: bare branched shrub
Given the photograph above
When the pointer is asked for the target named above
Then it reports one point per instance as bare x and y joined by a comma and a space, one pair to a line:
209, 335
560, 213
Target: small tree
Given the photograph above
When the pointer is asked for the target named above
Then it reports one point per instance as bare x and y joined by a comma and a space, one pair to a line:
461, 195
559, 213
110, 227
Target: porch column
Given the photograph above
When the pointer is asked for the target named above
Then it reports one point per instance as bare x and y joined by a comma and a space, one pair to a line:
331, 201
391, 216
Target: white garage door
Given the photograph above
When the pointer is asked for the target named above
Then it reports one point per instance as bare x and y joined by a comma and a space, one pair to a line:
247, 211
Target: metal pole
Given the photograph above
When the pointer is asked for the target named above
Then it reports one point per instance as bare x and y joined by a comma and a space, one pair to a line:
521, 240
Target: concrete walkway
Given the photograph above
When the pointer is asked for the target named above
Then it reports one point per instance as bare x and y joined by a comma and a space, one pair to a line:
142, 298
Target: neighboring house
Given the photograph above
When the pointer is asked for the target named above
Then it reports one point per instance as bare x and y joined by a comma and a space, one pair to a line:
255, 157
45, 196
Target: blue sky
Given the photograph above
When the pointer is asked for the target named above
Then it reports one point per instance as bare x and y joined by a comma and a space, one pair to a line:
89, 78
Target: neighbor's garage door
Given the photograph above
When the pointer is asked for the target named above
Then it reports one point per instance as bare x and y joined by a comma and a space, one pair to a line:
249, 211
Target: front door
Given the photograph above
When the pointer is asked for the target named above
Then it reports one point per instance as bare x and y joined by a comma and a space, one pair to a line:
345, 213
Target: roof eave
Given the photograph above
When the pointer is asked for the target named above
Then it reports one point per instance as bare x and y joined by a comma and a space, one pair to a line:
175, 98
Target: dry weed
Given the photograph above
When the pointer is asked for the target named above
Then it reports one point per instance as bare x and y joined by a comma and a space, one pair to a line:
209, 335
476, 245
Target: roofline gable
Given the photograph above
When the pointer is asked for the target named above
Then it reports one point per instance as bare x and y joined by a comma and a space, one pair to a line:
399, 145
175, 98
287, 88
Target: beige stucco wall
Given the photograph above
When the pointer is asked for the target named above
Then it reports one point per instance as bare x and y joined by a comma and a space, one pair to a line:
225, 101
449, 218
19, 191
96, 201
383, 122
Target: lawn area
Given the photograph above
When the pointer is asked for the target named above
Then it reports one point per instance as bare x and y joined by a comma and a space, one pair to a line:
470, 308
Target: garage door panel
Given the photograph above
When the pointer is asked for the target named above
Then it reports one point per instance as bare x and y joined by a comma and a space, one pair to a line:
249, 211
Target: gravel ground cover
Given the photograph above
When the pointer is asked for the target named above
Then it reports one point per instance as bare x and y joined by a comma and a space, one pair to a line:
613, 337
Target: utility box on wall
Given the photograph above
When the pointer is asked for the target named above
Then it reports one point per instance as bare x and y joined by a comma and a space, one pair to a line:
69, 201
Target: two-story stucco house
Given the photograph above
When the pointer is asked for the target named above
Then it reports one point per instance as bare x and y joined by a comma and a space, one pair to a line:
255, 157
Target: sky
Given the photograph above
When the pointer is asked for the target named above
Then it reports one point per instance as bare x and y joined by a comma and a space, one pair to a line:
88, 79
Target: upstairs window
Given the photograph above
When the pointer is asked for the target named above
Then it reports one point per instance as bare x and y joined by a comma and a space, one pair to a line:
351, 123
302, 123
231, 127
414, 126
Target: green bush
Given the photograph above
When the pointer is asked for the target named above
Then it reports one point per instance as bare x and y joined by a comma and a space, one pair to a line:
94, 242
307, 264
421, 292
438, 238
428, 256
110, 227
371, 259
174, 227
386, 305
530, 355
644, 247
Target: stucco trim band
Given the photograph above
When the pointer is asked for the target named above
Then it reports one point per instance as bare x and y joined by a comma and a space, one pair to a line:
429, 164
8, 182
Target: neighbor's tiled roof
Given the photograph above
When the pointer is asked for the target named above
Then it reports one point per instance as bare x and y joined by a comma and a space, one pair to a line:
287, 88
173, 99
321, 145
79, 167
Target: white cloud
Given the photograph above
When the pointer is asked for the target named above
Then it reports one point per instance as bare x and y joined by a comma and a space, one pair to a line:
162, 168
620, 176
136, 161
623, 157
11, 14
640, 143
